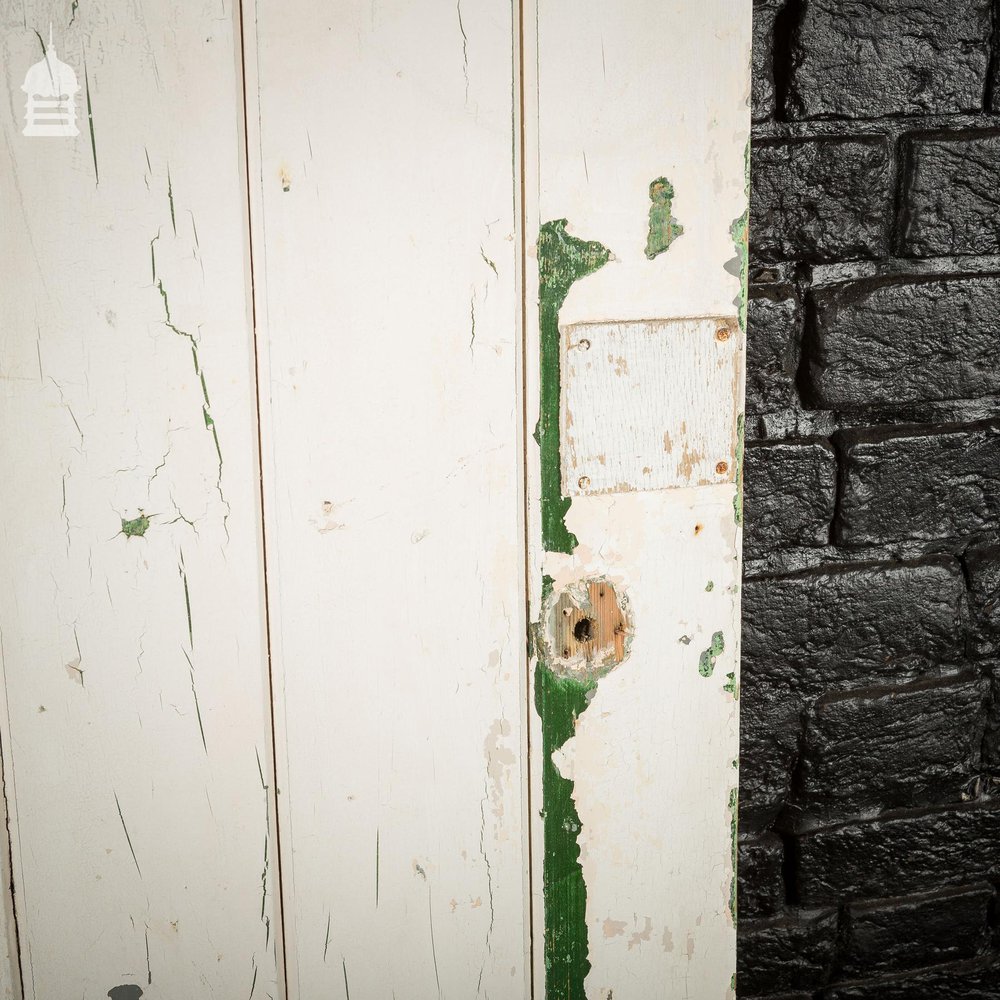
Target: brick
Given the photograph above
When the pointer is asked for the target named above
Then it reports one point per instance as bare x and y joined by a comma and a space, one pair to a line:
762, 97
900, 484
851, 625
905, 933
867, 58
761, 884
785, 953
899, 855
952, 201
774, 323
995, 96
819, 200
770, 728
982, 564
964, 981
893, 747
775, 996
886, 343
991, 739
789, 494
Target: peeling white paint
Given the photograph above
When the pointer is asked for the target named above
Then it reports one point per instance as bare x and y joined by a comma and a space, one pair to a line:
386, 213
132, 730
617, 97
397, 620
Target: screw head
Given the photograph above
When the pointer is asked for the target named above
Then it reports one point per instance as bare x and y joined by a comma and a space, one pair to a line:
721, 468
583, 482
723, 333
584, 344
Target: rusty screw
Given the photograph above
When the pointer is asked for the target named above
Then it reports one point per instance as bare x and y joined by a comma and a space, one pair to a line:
722, 334
583, 482
721, 468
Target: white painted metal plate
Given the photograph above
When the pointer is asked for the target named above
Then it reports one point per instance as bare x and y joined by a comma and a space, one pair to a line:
649, 405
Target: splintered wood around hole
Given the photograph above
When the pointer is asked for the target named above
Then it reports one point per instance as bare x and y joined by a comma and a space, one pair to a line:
589, 629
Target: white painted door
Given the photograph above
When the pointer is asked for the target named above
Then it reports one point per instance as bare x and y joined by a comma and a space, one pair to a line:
369, 614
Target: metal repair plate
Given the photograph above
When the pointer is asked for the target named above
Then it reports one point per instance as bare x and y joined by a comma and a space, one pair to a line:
649, 405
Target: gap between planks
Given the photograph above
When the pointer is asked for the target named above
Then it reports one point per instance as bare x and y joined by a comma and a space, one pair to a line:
281, 954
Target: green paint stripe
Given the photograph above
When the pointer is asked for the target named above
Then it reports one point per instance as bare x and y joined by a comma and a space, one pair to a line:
562, 260
560, 701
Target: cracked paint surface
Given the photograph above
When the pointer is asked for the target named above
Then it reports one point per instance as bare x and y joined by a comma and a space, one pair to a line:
171, 324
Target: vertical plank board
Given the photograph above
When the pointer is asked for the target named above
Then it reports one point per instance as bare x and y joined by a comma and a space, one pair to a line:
386, 266
10, 971
136, 723
635, 124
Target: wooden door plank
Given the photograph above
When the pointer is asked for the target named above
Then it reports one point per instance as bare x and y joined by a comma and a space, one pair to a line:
10, 970
385, 239
636, 124
136, 730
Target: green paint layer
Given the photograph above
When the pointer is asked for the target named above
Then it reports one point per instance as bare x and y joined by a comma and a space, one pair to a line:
740, 232
706, 662
663, 227
738, 498
135, 528
560, 701
562, 260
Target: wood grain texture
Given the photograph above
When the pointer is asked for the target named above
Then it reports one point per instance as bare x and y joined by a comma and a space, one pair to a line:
633, 858
649, 406
135, 730
384, 213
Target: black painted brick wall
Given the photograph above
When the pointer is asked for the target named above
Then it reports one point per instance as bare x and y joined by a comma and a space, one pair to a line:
870, 811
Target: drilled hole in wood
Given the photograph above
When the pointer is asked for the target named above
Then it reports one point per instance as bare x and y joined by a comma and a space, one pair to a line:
589, 628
